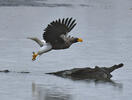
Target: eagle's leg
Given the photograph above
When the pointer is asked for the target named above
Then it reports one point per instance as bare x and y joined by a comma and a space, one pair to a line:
34, 56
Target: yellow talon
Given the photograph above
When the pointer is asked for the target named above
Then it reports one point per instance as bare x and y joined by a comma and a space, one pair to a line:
34, 56
80, 40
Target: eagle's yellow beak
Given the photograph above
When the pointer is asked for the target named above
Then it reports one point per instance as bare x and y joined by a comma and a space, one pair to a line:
80, 40
34, 56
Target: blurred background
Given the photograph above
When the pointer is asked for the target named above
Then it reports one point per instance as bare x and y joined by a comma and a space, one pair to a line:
104, 25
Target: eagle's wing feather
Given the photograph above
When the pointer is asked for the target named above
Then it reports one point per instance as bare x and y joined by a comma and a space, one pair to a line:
55, 29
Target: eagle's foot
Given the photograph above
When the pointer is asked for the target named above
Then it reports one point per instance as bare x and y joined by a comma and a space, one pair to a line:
34, 56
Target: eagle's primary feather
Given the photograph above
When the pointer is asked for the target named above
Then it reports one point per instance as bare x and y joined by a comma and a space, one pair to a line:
55, 29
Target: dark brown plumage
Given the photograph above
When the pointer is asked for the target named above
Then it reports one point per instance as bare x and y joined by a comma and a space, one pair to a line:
56, 33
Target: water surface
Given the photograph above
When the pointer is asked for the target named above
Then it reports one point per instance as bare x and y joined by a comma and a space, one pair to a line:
105, 27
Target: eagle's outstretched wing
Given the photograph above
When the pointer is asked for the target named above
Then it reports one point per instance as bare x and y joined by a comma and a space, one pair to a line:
57, 28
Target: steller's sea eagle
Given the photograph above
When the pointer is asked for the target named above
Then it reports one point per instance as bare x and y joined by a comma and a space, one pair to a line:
56, 36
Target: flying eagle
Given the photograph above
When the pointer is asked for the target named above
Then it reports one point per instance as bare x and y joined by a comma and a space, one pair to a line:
56, 36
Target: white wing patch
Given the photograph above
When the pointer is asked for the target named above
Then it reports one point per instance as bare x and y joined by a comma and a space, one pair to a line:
45, 48
44, 42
